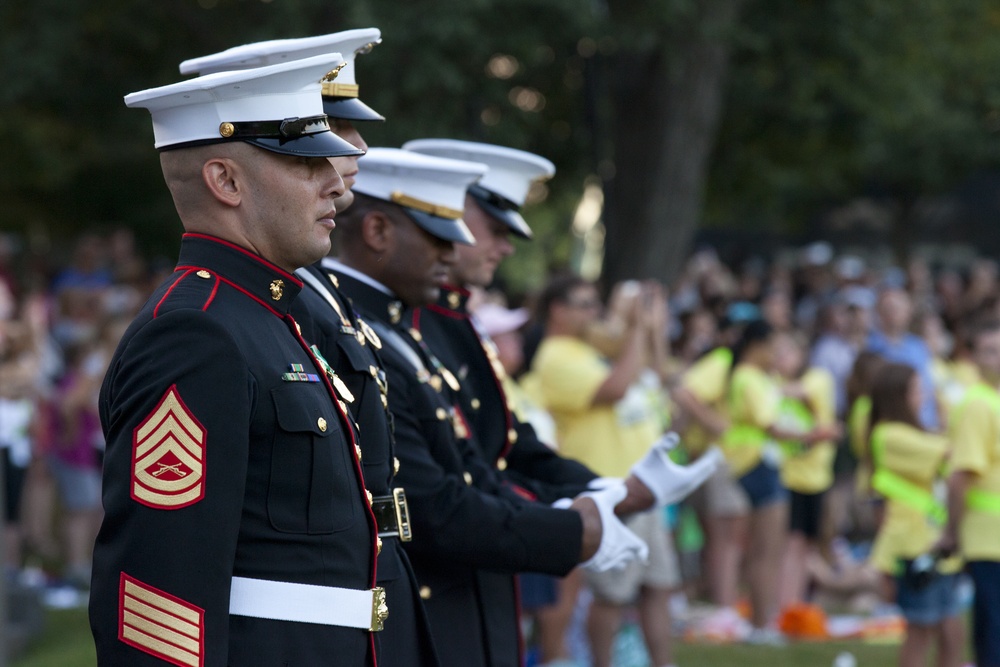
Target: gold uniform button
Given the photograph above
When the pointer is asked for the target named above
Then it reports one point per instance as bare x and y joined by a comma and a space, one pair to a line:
425, 592
357, 450
512, 436
501, 464
395, 466
361, 338
467, 476
227, 130
475, 404
368, 494
441, 414
373, 371
416, 335
203, 274
322, 424
378, 546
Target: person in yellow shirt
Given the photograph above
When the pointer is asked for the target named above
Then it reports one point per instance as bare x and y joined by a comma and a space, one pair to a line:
808, 400
906, 462
974, 491
750, 446
607, 422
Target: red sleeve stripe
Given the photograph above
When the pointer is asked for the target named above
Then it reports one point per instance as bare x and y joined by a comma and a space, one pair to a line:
169, 290
160, 624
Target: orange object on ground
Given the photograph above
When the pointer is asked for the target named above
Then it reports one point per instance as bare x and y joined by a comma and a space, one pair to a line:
803, 621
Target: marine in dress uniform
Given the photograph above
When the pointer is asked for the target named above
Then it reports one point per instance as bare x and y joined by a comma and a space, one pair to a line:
453, 335
473, 531
350, 346
237, 530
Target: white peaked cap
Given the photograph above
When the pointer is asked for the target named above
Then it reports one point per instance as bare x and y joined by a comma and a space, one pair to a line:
350, 43
277, 107
432, 189
511, 171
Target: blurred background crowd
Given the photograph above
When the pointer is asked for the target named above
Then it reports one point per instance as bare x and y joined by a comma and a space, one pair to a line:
747, 561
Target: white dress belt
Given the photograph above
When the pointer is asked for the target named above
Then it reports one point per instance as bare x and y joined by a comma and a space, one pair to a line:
307, 603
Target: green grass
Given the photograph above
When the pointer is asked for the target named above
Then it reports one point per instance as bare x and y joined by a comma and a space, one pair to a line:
67, 643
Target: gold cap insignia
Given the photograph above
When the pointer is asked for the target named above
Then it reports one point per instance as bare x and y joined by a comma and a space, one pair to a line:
227, 130
277, 289
203, 274
332, 74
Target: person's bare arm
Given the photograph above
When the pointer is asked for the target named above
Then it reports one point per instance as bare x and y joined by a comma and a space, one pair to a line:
958, 487
705, 416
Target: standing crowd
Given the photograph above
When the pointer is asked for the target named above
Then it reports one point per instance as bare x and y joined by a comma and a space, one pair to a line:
382, 452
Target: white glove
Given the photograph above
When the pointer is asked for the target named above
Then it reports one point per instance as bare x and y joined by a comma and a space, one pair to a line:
669, 481
619, 545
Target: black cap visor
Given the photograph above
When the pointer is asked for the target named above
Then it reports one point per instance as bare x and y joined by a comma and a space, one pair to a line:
318, 144
502, 210
349, 108
447, 229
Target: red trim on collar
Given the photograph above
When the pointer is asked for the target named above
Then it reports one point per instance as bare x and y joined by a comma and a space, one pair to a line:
447, 312
246, 252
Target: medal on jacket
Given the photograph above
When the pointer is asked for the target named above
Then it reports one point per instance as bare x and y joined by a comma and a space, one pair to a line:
338, 384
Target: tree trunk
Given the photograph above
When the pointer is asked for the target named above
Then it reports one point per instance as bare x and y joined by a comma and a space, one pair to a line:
666, 103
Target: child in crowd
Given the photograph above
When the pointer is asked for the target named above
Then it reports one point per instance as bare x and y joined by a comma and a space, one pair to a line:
753, 456
906, 463
806, 470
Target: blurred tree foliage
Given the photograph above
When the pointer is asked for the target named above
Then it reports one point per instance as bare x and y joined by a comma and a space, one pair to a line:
717, 110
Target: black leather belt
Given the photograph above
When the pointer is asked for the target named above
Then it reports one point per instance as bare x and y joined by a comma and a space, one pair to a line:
392, 515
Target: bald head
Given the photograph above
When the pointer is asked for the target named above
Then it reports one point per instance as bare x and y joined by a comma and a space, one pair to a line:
184, 171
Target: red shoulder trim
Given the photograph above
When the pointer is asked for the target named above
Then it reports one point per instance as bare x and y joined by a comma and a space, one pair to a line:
170, 289
211, 297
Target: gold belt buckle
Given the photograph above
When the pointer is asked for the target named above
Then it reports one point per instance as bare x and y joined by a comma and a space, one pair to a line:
402, 515
380, 610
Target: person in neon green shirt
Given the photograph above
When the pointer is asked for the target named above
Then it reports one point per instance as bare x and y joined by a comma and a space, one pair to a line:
750, 446
906, 462
721, 503
974, 491
806, 471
